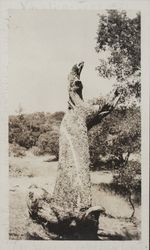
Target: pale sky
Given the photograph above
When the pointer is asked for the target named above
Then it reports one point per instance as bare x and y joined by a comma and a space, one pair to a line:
43, 46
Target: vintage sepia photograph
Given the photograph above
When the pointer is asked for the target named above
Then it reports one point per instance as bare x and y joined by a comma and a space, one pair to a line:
74, 83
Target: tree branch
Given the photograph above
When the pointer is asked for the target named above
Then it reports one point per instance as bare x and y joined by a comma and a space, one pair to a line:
103, 112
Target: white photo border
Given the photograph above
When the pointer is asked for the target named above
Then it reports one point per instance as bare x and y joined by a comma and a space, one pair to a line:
5, 6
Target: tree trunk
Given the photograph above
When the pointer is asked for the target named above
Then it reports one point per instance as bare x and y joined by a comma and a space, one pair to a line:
132, 205
69, 213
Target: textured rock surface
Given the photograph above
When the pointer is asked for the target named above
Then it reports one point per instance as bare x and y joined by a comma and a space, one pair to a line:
48, 222
93, 224
73, 186
69, 214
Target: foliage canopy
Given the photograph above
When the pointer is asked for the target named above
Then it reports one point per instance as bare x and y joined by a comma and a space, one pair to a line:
119, 43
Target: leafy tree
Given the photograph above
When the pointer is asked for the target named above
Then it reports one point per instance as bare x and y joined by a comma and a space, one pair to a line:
128, 181
41, 129
119, 38
127, 127
49, 142
25, 139
97, 147
118, 134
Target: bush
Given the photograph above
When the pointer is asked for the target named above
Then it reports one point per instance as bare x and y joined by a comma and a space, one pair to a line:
25, 139
38, 129
16, 150
127, 181
36, 151
117, 134
49, 143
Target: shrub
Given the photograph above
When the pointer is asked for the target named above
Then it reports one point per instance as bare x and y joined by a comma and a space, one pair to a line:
17, 150
127, 181
49, 143
36, 151
29, 130
117, 134
25, 139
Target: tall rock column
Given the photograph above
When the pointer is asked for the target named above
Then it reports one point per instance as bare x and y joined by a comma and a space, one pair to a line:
68, 212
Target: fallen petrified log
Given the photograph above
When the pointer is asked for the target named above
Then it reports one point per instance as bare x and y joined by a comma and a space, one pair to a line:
49, 223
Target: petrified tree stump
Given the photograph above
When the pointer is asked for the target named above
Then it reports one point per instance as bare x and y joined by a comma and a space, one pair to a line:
47, 222
68, 213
